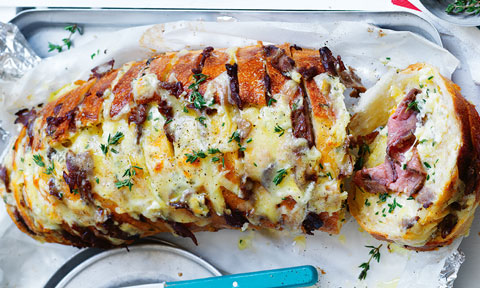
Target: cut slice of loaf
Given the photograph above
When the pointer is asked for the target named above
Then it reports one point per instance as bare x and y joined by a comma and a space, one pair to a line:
418, 166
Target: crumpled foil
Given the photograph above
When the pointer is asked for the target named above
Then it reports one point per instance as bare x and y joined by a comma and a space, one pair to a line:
450, 269
16, 56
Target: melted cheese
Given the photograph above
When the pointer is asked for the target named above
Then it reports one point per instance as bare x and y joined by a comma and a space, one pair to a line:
166, 186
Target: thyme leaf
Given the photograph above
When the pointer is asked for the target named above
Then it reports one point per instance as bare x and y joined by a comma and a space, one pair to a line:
374, 254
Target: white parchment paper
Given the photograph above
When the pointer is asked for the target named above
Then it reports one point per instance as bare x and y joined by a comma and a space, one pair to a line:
371, 51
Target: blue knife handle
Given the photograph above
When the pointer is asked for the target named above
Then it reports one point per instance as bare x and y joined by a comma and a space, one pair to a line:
301, 276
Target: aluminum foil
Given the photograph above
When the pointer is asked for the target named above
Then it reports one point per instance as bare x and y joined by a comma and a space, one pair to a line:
450, 269
16, 56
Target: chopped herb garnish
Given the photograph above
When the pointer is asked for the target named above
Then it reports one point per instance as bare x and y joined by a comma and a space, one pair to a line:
50, 169
235, 136
410, 198
321, 166
223, 162
393, 205
279, 176
382, 197
196, 98
202, 119
150, 116
95, 54
249, 140
185, 109
329, 175
168, 121
422, 141
215, 159
280, 130
75, 191
111, 141
428, 177
427, 165
67, 42
388, 58
471, 7
404, 166
366, 202
430, 78
97, 180
130, 172
255, 164
421, 85
38, 160
196, 154
213, 150
362, 152
242, 148
270, 101
374, 254
413, 105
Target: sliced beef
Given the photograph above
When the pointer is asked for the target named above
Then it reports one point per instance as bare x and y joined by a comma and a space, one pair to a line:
401, 126
392, 175
182, 230
232, 72
102, 69
336, 67
207, 52
54, 122
446, 226
20, 221
79, 168
301, 120
175, 88
167, 111
114, 230
280, 60
311, 223
27, 118
138, 115
236, 218
4, 177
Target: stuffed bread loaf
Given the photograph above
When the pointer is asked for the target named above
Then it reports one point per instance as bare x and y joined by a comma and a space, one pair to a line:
419, 165
186, 141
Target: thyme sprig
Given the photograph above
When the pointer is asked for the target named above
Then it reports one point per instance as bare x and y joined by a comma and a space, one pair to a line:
196, 154
110, 142
37, 158
280, 130
66, 42
464, 6
374, 254
129, 173
196, 98
50, 169
279, 176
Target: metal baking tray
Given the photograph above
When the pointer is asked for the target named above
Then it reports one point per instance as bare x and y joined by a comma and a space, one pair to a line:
42, 26
150, 260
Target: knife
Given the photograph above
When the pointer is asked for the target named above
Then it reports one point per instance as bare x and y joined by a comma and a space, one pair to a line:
300, 276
